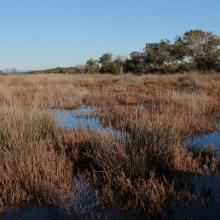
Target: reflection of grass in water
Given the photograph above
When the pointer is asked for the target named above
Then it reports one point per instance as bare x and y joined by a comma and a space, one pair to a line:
132, 174
84, 199
38, 161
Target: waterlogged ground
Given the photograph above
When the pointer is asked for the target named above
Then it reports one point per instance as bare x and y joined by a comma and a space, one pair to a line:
205, 140
207, 187
81, 118
33, 213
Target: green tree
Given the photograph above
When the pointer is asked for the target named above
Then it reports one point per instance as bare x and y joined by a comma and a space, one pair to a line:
80, 68
119, 64
203, 48
159, 55
106, 63
105, 59
180, 51
91, 66
136, 57
136, 62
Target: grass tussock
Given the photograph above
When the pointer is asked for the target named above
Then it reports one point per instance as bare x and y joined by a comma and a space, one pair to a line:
138, 170
134, 171
30, 171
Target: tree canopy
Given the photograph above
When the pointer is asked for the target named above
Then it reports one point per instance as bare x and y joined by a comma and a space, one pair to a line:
194, 50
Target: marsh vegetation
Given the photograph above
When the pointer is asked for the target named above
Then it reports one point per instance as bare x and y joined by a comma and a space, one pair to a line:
194, 50
127, 150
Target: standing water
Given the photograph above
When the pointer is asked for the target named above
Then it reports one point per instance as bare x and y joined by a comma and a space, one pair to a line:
212, 138
81, 118
206, 186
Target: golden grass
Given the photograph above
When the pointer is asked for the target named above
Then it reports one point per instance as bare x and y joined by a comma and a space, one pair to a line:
30, 171
38, 161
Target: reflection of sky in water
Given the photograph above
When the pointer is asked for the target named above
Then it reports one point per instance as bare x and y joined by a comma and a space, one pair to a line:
204, 184
204, 140
80, 118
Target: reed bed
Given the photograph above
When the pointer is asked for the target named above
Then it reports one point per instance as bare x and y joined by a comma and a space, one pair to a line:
138, 170
30, 172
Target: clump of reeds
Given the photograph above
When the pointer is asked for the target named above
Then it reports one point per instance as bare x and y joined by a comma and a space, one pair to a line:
31, 172
138, 170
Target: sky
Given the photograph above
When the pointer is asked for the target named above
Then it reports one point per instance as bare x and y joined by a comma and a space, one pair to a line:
40, 34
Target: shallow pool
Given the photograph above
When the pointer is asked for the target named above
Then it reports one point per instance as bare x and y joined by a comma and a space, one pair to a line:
81, 118
208, 187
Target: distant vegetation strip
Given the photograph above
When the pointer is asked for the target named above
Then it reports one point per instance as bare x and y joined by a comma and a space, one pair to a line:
194, 50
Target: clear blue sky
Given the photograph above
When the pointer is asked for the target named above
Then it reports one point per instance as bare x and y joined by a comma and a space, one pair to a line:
37, 34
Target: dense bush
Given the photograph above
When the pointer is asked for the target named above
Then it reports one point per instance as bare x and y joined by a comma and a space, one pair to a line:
195, 50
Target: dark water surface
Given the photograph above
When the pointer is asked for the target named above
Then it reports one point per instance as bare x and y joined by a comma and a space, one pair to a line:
212, 138
33, 213
206, 186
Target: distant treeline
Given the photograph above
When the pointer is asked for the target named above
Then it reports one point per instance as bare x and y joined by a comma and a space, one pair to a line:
194, 50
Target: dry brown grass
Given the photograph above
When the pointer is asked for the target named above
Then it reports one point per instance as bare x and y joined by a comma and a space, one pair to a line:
133, 171
30, 171
69, 91
38, 161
